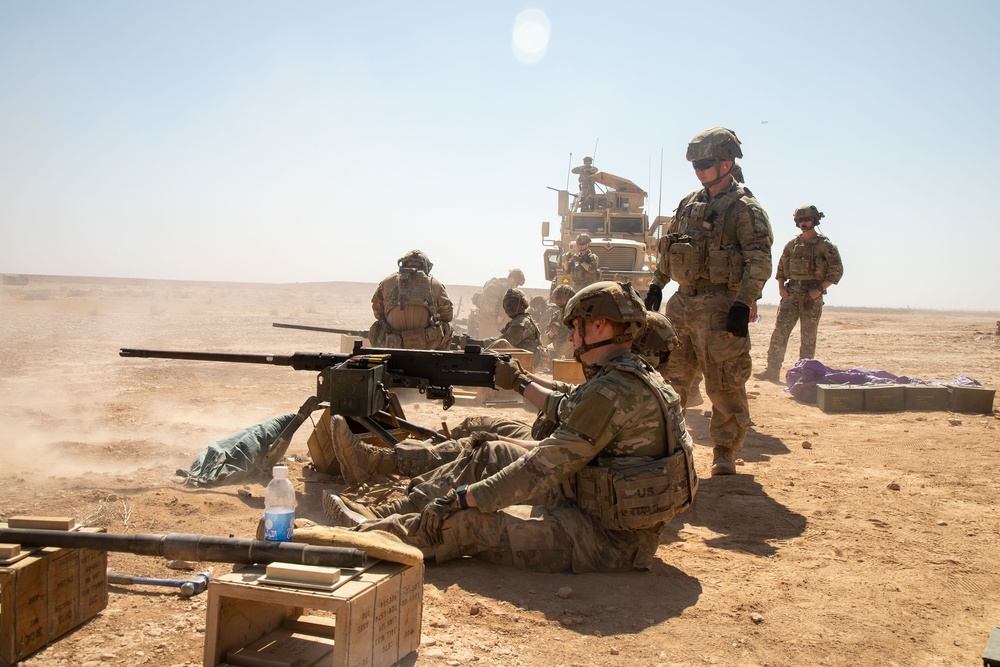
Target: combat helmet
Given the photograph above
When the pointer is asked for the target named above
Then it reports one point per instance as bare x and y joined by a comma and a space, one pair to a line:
561, 294
588, 159
583, 239
715, 143
514, 302
807, 211
538, 302
658, 340
516, 274
417, 260
617, 302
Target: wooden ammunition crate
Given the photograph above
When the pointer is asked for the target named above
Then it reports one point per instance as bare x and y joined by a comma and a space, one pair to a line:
840, 397
568, 370
926, 397
975, 400
45, 593
371, 620
885, 398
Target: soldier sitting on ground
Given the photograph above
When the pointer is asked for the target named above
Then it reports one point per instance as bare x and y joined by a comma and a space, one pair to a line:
510, 507
521, 332
412, 309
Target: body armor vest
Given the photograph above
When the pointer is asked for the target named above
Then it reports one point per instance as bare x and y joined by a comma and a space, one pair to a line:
412, 288
805, 262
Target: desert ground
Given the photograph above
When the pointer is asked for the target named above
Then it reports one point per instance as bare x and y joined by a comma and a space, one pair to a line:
857, 539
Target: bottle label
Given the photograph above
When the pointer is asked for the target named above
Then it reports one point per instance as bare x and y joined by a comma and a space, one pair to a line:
278, 525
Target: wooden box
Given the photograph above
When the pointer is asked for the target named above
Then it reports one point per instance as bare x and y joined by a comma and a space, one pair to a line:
45, 593
525, 358
370, 620
568, 370
926, 397
976, 400
840, 397
885, 398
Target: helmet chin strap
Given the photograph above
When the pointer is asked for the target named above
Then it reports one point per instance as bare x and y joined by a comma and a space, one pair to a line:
587, 347
718, 166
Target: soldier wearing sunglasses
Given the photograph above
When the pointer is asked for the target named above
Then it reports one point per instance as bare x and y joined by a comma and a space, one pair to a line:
718, 251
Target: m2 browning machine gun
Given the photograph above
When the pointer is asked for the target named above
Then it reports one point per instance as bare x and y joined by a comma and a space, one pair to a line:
458, 341
356, 385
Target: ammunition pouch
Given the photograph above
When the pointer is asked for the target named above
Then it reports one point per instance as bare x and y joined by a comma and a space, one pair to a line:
636, 496
683, 259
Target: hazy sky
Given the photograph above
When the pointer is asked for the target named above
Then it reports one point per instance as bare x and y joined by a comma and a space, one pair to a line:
320, 141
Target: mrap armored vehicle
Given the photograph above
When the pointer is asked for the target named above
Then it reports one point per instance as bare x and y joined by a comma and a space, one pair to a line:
614, 217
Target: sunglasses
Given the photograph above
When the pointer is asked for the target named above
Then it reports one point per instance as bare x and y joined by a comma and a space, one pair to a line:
799, 221
702, 165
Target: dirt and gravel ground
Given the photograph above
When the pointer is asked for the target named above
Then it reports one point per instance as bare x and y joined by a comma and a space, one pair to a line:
862, 539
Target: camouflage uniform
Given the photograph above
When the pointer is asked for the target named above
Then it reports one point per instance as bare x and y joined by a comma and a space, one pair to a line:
557, 333
718, 249
586, 172
579, 275
412, 310
806, 265
532, 511
521, 332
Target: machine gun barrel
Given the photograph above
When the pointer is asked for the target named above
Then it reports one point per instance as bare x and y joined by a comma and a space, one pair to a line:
300, 361
185, 546
306, 327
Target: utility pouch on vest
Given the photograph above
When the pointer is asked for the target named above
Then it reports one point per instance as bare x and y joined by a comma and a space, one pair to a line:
719, 266
800, 264
683, 260
635, 497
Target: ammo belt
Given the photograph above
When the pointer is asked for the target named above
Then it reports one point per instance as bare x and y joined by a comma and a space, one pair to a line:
695, 290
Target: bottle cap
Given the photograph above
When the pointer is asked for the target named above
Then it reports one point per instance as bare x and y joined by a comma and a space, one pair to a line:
279, 471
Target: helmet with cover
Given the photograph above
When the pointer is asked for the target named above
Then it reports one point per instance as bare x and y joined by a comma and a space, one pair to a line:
658, 340
803, 213
516, 275
514, 302
617, 302
715, 143
561, 294
415, 259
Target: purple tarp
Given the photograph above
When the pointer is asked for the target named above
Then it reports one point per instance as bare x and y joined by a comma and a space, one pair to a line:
807, 373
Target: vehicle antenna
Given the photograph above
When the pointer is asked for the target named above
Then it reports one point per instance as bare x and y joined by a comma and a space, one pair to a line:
569, 170
659, 199
594, 154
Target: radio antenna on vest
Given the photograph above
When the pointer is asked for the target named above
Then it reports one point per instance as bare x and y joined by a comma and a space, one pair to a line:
659, 197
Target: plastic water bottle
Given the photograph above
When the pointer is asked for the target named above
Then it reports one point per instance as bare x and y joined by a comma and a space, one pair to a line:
279, 507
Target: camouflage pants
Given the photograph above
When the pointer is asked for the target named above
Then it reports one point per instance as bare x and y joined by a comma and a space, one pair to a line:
796, 307
552, 535
416, 457
723, 359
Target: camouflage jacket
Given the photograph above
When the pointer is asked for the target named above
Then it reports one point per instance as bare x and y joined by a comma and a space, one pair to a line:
730, 224
816, 260
611, 416
520, 332
411, 300
579, 274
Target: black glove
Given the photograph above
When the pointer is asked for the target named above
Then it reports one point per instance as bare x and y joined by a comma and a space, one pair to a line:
433, 516
738, 320
479, 437
654, 297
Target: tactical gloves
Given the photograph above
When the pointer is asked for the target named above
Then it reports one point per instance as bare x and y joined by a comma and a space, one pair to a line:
738, 320
508, 374
654, 297
433, 516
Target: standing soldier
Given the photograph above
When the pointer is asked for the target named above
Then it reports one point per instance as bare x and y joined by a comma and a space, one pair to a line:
412, 310
488, 316
586, 173
718, 250
809, 264
584, 267
521, 332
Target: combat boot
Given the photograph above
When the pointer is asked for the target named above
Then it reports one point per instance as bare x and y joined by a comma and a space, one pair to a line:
723, 462
771, 374
359, 461
341, 514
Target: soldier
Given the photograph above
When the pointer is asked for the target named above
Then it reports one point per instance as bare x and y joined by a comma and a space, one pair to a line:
586, 173
412, 309
537, 310
509, 502
521, 332
557, 333
810, 264
488, 317
657, 342
718, 249
584, 267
